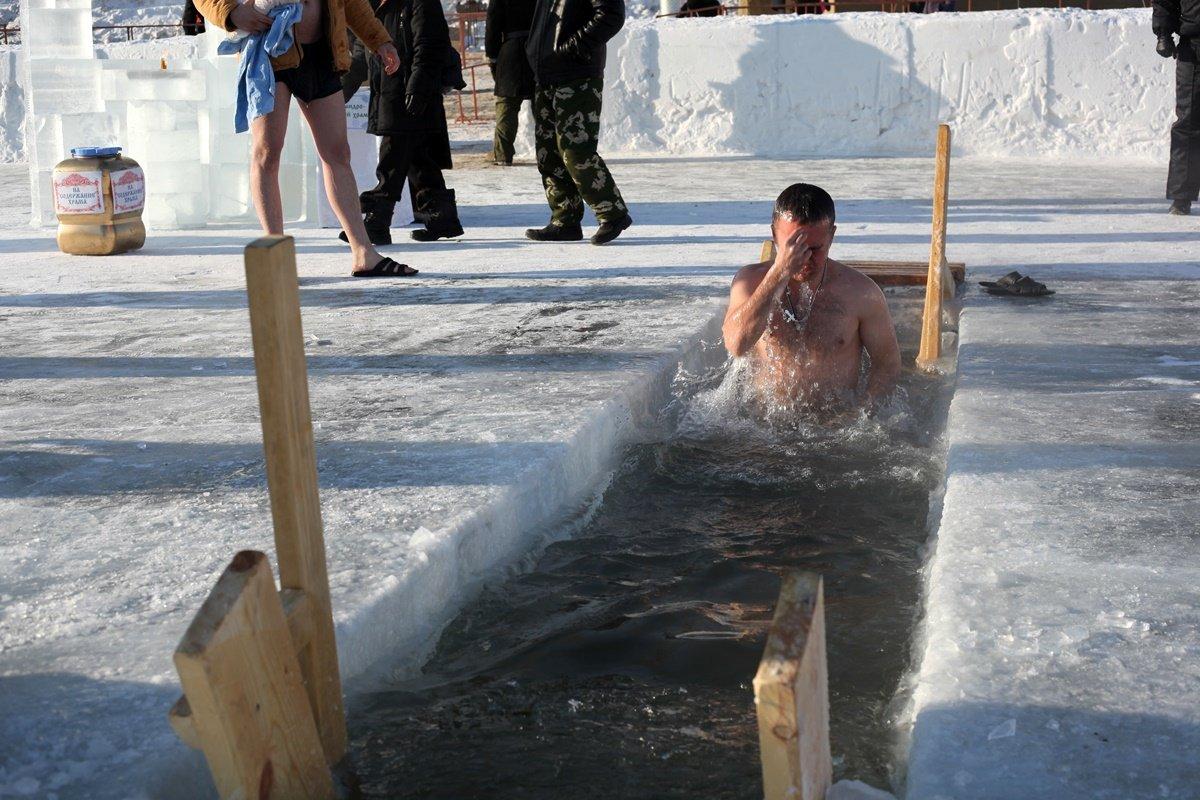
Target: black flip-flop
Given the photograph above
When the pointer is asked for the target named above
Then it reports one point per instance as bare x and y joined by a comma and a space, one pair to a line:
1023, 286
386, 268
1007, 280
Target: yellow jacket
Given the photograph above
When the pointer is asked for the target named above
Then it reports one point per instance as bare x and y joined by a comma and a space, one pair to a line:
357, 14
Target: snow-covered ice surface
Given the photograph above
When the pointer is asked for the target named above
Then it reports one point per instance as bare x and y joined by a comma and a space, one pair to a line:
459, 412
1062, 650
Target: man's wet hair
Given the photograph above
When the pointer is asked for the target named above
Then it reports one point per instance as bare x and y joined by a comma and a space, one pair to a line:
804, 203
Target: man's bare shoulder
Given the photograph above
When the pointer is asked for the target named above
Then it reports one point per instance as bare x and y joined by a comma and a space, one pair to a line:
752, 275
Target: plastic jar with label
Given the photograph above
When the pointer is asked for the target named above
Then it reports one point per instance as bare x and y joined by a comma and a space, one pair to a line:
98, 198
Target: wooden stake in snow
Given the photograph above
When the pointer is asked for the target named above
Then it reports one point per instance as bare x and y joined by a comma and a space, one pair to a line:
791, 691
247, 705
274, 294
939, 284
262, 689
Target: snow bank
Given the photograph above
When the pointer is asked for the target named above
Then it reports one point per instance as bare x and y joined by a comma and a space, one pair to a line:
1058, 83
1065, 83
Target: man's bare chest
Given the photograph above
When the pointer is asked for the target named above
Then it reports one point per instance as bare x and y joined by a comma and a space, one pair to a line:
312, 21
827, 329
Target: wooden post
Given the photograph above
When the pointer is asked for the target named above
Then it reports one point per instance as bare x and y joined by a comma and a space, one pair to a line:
791, 691
246, 702
274, 295
936, 283
768, 251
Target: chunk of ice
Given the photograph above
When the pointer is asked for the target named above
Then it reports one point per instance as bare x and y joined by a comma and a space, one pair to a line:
1003, 730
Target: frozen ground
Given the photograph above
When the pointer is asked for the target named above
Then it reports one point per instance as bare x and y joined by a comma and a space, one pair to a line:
458, 412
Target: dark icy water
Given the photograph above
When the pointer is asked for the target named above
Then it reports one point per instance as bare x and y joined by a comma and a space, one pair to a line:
619, 664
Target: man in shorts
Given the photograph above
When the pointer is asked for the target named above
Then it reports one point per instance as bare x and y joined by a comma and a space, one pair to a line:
311, 72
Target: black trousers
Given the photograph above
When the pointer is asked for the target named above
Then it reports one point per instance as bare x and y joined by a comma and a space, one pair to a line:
408, 157
1183, 176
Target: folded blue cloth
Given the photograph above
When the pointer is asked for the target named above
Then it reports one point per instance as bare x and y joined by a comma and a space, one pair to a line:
256, 79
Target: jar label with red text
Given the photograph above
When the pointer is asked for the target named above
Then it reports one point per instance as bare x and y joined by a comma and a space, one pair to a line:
79, 192
129, 190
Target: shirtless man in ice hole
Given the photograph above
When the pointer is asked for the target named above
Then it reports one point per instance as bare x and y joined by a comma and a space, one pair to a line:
324, 109
804, 319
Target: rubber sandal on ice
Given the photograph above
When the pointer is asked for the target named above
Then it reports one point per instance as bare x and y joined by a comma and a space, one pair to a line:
386, 268
1007, 280
1023, 287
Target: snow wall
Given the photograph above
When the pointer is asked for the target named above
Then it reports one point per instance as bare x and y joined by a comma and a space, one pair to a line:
1067, 83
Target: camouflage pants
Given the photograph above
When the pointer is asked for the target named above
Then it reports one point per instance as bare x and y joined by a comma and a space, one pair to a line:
566, 132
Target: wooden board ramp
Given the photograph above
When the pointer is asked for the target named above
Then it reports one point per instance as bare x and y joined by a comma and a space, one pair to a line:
262, 688
791, 693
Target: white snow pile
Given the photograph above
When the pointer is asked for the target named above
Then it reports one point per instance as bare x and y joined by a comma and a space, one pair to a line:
1062, 83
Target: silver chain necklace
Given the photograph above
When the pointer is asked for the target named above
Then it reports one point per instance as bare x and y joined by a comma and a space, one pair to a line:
793, 317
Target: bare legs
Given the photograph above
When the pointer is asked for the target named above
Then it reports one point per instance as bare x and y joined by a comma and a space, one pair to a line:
267, 134
327, 121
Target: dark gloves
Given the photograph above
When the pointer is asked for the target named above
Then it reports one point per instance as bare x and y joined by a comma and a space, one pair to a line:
492, 67
1166, 46
574, 48
416, 104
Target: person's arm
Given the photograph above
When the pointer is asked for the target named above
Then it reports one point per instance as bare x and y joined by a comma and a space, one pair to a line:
493, 35
361, 19
878, 336
608, 17
430, 43
1164, 19
750, 304
229, 15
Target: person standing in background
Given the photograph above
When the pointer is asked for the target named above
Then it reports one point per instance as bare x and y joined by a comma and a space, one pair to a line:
407, 113
1182, 17
352, 81
567, 49
507, 32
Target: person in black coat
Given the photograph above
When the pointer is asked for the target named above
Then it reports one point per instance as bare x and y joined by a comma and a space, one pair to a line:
193, 20
1182, 18
567, 49
352, 81
406, 112
507, 32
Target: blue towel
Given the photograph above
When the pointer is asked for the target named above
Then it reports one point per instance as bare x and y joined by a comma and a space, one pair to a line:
256, 79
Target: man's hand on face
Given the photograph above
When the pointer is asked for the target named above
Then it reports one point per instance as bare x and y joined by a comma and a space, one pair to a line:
794, 257
245, 17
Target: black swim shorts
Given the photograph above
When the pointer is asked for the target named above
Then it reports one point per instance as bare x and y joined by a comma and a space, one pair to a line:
314, 77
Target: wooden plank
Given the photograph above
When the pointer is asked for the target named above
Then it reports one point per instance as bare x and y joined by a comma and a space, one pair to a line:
299, 621
180, 717
886, 273
931, 319
791, 692
242, 681
273, 289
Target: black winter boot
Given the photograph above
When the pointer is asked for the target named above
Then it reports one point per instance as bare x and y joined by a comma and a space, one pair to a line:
555, 233
1181, 208
611, 229
443, 220
378, 222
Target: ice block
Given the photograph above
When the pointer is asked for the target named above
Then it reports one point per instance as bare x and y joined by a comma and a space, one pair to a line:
182, 85
64, 86
54, 33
